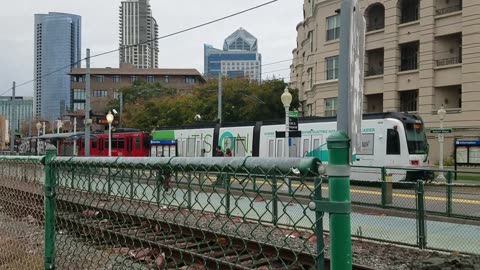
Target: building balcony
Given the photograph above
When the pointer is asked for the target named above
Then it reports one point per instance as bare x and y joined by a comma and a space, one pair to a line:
449, 61
449, 9
374, 71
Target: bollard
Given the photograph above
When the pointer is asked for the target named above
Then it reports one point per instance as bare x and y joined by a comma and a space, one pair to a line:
338, 172
421, 224
274, 201
449, 193
49, 190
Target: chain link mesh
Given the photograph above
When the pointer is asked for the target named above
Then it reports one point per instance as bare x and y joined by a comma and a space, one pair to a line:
179, 213
21, 220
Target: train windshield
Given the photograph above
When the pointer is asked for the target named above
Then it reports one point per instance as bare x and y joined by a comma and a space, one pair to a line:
416, 138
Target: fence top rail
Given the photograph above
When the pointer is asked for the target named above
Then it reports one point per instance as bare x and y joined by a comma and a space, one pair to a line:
39, 159
303, 166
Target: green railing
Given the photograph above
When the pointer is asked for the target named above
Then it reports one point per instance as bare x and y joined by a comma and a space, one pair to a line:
215, 212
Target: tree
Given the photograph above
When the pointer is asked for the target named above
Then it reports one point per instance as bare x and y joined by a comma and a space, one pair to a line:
148, 106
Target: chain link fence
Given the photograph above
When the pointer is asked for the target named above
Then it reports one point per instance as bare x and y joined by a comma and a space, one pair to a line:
215, 213
156, 213
21, 220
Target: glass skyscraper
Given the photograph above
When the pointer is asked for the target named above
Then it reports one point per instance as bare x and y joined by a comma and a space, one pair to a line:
239, 57
57, 49
23, 110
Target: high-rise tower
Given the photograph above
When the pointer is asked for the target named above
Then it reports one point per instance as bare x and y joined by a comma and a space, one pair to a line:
57, 49
138, 34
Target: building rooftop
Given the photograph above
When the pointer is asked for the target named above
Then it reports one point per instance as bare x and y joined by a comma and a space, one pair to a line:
240, 40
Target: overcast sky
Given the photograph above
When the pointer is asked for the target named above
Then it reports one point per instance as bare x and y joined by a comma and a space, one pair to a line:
273, 26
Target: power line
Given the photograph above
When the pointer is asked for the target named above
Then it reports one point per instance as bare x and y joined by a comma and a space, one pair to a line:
159, 38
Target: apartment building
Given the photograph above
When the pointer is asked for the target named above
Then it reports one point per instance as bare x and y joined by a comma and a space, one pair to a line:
138, 34
419, 55
105, 83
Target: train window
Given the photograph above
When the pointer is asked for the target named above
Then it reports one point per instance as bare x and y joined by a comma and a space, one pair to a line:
240, 147
306, 147
271, 148
393, 142
121, 143
94, 143
137, 142
280, 148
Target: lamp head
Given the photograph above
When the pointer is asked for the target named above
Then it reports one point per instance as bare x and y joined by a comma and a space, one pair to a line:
38, 125
109, 117
286, 97
114, 111
197, 117
441, 113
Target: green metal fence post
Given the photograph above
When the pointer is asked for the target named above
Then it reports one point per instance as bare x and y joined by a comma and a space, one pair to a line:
449, 192
130, 180
338, 171
421, 230
274, 201
384, 187
49, 190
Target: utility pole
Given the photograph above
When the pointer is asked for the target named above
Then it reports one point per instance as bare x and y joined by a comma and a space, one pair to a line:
121, 109
220, 97
87, 105
12, 120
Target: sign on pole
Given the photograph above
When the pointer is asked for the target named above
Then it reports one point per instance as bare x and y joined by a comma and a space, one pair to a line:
293, 120
440, 130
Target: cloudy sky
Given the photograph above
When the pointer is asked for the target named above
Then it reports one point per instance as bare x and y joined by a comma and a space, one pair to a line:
273, 25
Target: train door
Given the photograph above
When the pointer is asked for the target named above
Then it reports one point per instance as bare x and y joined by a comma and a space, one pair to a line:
129, 146
393, 147
271, 147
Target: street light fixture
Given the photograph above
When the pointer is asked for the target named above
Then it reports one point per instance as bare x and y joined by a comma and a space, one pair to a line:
109, 120
286, 100
38, 126
441, 116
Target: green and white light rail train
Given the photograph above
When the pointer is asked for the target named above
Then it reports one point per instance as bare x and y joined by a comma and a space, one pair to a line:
387, 139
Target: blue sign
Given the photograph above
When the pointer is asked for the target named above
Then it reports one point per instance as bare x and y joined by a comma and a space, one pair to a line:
477, 143
163, 142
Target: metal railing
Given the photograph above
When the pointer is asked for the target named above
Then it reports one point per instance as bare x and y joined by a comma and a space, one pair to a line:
449, 61
409, 63
373, 71
139, 213
375, 26
449, 9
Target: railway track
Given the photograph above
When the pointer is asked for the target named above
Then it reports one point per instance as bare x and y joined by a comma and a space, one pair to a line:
179, 244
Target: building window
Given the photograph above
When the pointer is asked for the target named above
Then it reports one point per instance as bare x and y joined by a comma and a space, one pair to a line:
133, 78
78, 106
410, 10
332, 67
100, 93
330, 106
310, 36
409, 101
79, 94
150, 79
166, 79
116, 94
310, 77
189, 79
333, 27
116, 78
409, 56
79, 78
100, 78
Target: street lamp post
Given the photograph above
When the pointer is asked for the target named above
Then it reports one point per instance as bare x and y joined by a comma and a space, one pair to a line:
286, 100
109, 120
441, 115
38, 126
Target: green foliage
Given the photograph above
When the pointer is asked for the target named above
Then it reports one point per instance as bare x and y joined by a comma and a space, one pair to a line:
147, 106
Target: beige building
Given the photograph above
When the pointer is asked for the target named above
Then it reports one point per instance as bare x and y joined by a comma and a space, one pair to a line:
419, 55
